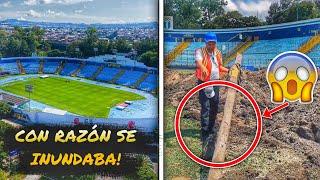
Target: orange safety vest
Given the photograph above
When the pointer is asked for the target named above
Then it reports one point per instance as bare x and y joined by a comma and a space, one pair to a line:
206, 61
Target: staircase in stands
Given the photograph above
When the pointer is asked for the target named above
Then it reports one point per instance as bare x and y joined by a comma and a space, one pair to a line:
40, 71
240, 48
94, 76
79, 69
117, 76
140, 80
310, 44
20, 67
61, 66
177, 51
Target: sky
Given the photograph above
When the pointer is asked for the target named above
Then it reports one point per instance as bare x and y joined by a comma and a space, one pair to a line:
80, 11
251, 7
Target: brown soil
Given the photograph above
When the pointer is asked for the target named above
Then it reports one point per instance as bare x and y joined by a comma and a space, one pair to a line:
290, 143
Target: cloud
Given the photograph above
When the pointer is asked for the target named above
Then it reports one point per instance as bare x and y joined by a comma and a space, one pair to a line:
21, 18
33, 13
31, 2
231, 6
6, 4
78, 11
252, 7
51, 13
65, 2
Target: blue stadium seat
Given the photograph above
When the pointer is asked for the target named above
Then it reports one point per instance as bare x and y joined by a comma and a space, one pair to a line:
107, 74
169, 46
315, 55
257, 56
50, 67
31, 67
186, 59
262, 52
129, 78
149, 84
69, 68
88, 70
10, 67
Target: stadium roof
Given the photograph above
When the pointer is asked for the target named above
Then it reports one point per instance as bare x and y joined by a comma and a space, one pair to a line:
54, 111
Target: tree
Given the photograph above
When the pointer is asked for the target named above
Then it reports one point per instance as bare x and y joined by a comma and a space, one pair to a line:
275, 14
211, 9
146, 45
292, 10
89, 43
252, 21
72, 49
150, 58
302, 11
5, 110
122, 46
186, 13
3, 41
231, 19
92, 35
56, 53
23, 42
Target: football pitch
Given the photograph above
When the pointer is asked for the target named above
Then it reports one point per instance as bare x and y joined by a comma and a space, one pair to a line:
73, 96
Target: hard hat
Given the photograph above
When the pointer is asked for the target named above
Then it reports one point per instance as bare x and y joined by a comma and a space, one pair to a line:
211, 36
209, 92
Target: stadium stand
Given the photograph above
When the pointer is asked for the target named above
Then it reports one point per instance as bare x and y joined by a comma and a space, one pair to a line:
149, 84
31, 66
140, 80
98, 71
13, 100
88, 70
69, 68
50, 67
315, 55
262, 52
117, 76
107, 74
310, 44
20, 67
134, 77
62, 63
40, 71
82, 65
268, 41
129, 78
9, 66
176, 52
169, 46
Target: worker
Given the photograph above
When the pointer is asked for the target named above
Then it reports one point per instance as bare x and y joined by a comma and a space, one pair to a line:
208, 67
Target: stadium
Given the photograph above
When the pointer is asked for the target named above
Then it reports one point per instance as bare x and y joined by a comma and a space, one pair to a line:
109, 89
289, 144
259, 45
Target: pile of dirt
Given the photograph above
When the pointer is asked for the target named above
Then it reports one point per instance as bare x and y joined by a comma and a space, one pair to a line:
290, 144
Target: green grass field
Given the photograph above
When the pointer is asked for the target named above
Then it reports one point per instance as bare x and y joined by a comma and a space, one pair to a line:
73, 96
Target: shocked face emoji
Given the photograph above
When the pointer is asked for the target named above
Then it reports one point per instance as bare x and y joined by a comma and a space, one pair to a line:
292, 76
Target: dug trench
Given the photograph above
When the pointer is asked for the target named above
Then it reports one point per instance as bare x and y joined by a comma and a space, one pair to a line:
290, 144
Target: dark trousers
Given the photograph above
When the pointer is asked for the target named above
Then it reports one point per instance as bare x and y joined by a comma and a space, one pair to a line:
209, 111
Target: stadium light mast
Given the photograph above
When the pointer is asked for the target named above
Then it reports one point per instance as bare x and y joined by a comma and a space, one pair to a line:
297, 4
95, 51
77, 50
134, 52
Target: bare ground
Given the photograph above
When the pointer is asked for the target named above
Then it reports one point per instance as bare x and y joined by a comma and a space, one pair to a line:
290, 143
